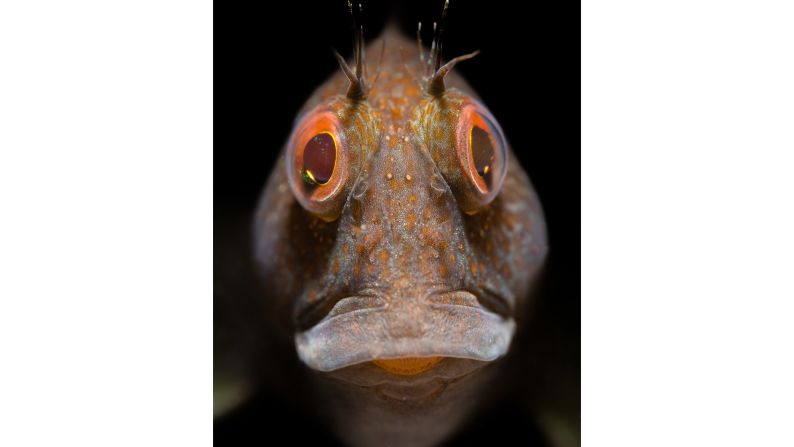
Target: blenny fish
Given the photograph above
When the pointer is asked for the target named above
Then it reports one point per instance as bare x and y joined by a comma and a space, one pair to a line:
396, 241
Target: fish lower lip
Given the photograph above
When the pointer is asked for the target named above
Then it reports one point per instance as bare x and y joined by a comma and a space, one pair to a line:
368, 375
407, 366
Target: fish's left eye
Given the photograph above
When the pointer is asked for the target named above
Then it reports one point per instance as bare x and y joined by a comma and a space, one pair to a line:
481, 152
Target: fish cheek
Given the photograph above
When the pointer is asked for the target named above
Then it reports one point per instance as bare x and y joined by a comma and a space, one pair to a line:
311, 241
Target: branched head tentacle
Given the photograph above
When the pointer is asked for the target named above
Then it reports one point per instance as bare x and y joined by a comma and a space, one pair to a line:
438, 31
358, 86
435, 71
436, 84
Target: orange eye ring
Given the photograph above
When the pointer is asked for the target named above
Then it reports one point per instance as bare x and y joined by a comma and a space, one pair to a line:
481, 153
317, 164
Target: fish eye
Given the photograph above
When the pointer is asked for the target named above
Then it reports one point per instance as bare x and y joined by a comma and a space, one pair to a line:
317, 164
481, 152
319, 159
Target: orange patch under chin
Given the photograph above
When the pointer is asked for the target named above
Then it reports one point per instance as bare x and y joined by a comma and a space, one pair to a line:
409, 366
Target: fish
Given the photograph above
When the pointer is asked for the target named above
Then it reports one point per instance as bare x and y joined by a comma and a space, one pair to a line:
396, 245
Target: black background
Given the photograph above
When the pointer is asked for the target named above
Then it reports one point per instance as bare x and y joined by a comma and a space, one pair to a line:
269, 59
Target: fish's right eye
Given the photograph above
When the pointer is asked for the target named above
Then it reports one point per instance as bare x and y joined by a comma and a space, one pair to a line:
319, 158
317, 164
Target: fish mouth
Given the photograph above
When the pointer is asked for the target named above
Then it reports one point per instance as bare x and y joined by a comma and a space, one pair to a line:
409, 389
405, 334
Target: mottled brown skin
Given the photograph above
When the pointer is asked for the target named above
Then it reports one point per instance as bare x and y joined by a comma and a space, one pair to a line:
402, 303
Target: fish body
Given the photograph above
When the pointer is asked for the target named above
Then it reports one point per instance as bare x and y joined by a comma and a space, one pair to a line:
396, 241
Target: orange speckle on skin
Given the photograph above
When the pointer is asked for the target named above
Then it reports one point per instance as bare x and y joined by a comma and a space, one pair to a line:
410, 221
409, 366
426, 214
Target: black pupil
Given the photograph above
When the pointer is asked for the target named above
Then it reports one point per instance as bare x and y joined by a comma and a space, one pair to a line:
483, 154
319, 157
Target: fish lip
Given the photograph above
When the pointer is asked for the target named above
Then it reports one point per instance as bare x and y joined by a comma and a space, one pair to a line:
356, 303
451, 324
331, 306
334, 305
480, 299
